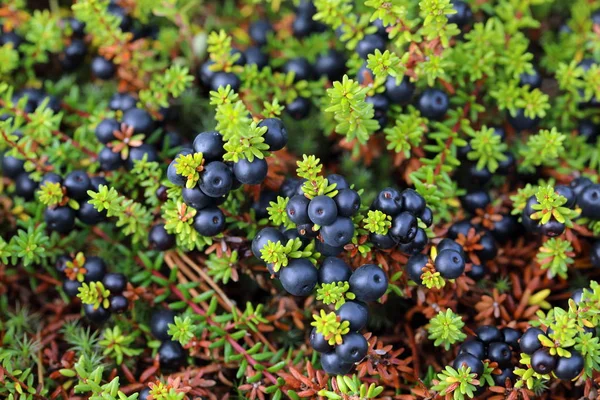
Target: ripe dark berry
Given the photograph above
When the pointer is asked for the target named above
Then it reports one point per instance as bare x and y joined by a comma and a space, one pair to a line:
140, 120
276, 135
552, 228
399, 93
507, 373
171, 355
88, 214
578, 184
222, 79
210, 144
533, 79
12, 166
146, 151
307, 230
450, 264
77, 184
96, 316
489, 248
299, 108
61, 264
121, 14
505, 166
114, 282
520, 122
347, 202
369, 282
206, 74
475, 200
303, 25
589, 201
289, 187
488, 334
319, 343
355, 312
463, 15
433, 104
122, 102
426, 216
159, 323
95, 269
60, 219
381, 105
160, 239
71, 288
333, 365
196, 198
369, 44
595, 254
542, 362
505, 229
216, 179
331, 64
172, 174
529, 341
251, 172
297, 209
109, 160
500, 352
460, 228
569, 368
474, 347
416, 245
388, 201
470, 361
102, 68
322, 210
384, 242
414, 267
413, 202
334, 270
25, 187
477, 272
567, 193
259, 31
299, 278
354, 347
73, 55
404, 227
339, 233
511, 337
327, 250
119, 304
588, 130
209, 221
301, 68
77, 26
256, 56
263, 237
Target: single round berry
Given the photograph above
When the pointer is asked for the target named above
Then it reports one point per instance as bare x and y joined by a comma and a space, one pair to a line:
216, 179
251, 172
426, 216
60, 219
388, 201
567, 193
259, 31
334, 270
224, 79
114, 282
589, 201
196, 198
255, 56
433, 104
413, 202
322, 210
145, 151
569, 368
552, 228
356, 313
122, 102
140, 120
511, 337
105, 130
301, 68
384, 242
77, 184
12, 166
333, 365
347, 202
529, 341
463, 14
505, 229
474, 347
460, 228
95, 269
307, 231
210, 144
263, 237
209, 221
172, 174
52, 178
532, 79
339, 233
450, 264
476, 200
414, 267
578, 184
74, 54
96, 316
102, 68
470, 361
89, 215
489, 248
488, 334
416, 245
109, 160
477, 272
299, 278
369, 282
354, 347
401, 92
327, 250
276, 135
119, 304
404, 227
331, 64
542, 362
25, 186
159, 323
369, 44
449, 244
71, 288
171, 355
318, 342
297, 209
507, 373
499, 352
299, 108
160, 239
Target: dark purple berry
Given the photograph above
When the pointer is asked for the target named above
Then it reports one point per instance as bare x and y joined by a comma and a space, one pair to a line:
299, 278
209, 221
334, 270
369, 282
354, 347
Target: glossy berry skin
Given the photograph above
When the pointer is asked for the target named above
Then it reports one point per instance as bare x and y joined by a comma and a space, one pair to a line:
209, 221
60, 219
433, 104
122, 102
347, 202
25, 187
102, 68
299, 278
301, 68
318, 342
567, 193
307, 231
369, 44
216, 179
511, 337
470, 361
88, 214
196, 198
449, 244
210, 144
413, 202
276, 135
369, 282
450, 264
589, 201
384, 242
356, 313
404, 227
476, 200
140, 120
222, 79
334, 270
297, 209
109, 160
426, 216
114, 282
331, 64
400, 94
146, 151
474, 347
251, 172
104, 130
414, 267
542, 362
416, 245
77, 184
171, 355
289, 187
322, 210
159, 323
488, 334
499, 352
505, 229
500, 379
463, 15
299, 108
339, 233
74, 54
328, 251
578, 184
119, 304
477, 272
96, 269
256, 56
172, 174
333, 365
259, 30
529, 341
489, 250
160, 239
354, 347
71, 288
460, 228
263, 237
12, 166
552, 228
388, 201
96, 316
569, 368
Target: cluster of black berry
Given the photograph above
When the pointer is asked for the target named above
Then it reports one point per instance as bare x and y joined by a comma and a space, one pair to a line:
406, 209
74, 53
171, 354
449, 261
92, 270
493, 345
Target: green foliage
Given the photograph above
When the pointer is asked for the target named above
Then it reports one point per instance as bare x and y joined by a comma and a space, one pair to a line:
445, 329
190, 166
353, 388
487, 148
555, 256
550, 205
94, 294
117, 344
277, 213
334, 293
330, 326
459, 384
310, 168
181, 330
377, 222
221, 267
543, 148
279, 254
